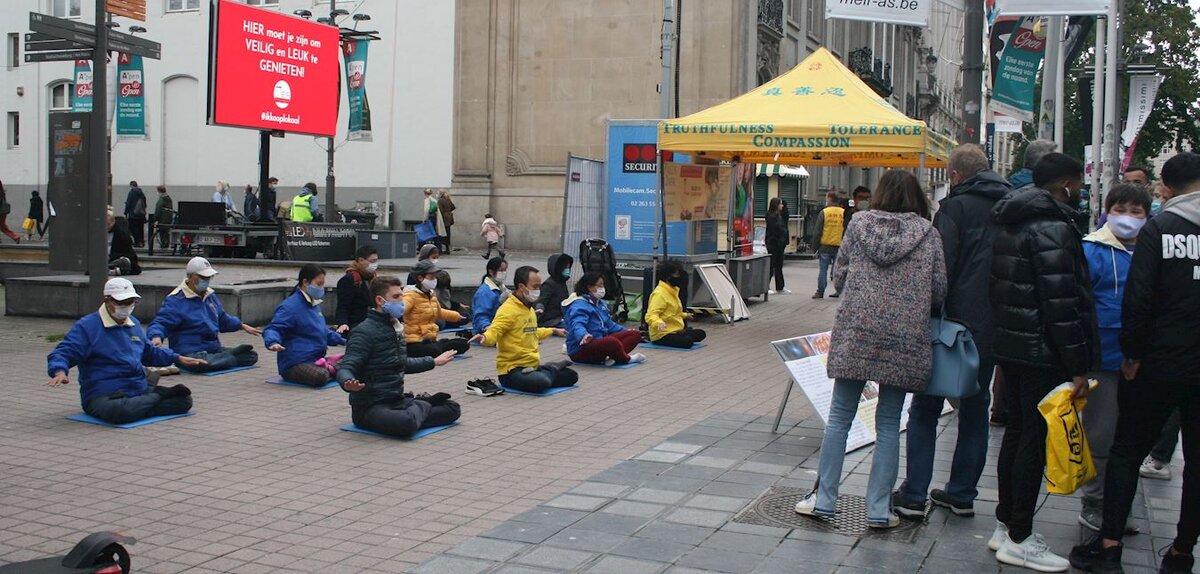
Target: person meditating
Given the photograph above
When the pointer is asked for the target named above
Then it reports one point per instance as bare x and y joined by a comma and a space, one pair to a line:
490, 294
111, 351
353, 291
192, 318
422, 311
664, 315
515, 334
592, 336
373, 368
299, 335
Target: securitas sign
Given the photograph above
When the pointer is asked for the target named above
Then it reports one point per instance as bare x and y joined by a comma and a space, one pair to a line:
272, 71
640, 158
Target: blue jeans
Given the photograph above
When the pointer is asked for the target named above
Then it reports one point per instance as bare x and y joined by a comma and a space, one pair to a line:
970, 451
827, 260
885, 464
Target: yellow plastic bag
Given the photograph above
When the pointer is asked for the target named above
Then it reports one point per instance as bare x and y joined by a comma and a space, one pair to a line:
1068, 457
28, 224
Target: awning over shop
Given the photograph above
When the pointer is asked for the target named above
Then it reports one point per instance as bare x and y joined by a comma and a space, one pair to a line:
781, 170
819, 113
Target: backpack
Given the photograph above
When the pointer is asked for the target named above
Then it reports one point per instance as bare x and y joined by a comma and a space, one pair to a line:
139, 207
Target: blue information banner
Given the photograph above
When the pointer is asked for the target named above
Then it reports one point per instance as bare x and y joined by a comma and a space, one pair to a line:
633, 191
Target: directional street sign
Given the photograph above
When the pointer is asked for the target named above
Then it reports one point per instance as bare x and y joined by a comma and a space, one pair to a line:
85, 34
64, 56
51, 45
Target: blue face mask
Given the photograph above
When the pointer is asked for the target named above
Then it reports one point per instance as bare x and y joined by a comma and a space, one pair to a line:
1155, 207
394, 308
202, 286
566, 273
315, 292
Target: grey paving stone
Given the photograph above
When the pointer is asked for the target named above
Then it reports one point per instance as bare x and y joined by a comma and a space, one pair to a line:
612, 523
626, 479
684, 533
734, 490
748, 543
692, 471
655, 496
522, 532
676, 483
620, 565
453, 565
576, 502
600, 489
686, 570
686, 448
749, 478
560, 559
632, 508
800, 551
774, 470
719, 560
591, 540
652, 549
895, 561
488, 549
776, 566
756, 529
711, 502
698, 517
712, 462
510, 569
550, 516
661, 456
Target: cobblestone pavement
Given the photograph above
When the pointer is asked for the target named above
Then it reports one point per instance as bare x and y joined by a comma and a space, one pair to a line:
261, 480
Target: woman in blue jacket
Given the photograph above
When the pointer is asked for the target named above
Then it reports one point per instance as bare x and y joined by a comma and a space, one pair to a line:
1109, 251
490, 294
298, 332
592, 336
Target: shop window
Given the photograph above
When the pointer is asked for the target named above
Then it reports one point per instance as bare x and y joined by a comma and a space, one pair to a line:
789, 192
760, 196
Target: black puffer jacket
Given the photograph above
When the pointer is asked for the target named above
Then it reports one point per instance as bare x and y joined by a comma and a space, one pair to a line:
968, 230
554, 290
1160, 315
1041, 292
377, 357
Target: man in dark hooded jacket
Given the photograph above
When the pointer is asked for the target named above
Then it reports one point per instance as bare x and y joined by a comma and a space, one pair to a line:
968, 231
1045, 334
554, 290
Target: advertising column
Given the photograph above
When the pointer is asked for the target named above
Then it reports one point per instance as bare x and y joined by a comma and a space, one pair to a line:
131, 98
632, 209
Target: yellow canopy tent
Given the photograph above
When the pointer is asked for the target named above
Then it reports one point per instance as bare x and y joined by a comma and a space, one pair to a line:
819, 113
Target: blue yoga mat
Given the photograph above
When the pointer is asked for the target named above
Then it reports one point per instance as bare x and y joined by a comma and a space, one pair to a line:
215, 373
551, 391
455, 330
279, 381
666, 348
417, 435
86, 418
628, 365
461, 357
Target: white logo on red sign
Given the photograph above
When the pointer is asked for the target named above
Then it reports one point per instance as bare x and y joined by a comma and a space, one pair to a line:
282, 94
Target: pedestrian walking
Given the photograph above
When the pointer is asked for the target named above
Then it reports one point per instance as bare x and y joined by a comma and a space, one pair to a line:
892, 270
164, 216
5, 209
135, 212
777, 240
430, 209
491, 231
831, 227
37, 213
446, 208
1045, 334
965, 223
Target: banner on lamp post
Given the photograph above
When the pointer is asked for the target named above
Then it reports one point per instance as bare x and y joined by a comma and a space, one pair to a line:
905, 12
1143, 90
1005, 124
131, 98
81, 98
1057, 8
355, 54
1016, 77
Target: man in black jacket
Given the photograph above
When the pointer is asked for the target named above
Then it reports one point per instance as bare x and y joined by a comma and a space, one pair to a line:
1160, 337
965, 223
1045, 334
354, 289
373, 369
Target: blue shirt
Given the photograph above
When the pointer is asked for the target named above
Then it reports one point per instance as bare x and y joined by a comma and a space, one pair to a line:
1108, 264
484, 304
587, 316
110, 356
299, 326
192, 322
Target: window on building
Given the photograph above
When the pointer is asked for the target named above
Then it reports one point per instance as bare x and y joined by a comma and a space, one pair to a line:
760, 195
263, 2
60, 96
66, 8
789, 192
14, 50
14, 129
796, 10
182, 5
815, 19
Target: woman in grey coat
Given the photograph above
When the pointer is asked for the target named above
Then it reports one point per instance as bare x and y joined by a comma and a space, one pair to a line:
892, 276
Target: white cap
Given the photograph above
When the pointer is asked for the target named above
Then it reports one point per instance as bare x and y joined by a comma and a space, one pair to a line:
120, 289
200, 266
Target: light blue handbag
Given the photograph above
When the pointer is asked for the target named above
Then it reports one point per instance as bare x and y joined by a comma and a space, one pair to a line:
955, 373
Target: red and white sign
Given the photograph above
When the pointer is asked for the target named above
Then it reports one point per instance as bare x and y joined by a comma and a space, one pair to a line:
272, 71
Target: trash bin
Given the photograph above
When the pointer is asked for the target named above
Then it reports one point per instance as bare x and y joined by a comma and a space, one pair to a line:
391, 244
354, 216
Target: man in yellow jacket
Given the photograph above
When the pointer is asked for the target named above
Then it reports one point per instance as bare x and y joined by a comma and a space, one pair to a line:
422, 311
831, 225
516, 335
665, 316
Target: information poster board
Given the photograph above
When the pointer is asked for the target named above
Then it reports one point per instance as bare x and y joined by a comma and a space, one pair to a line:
696, 192
322, 241
805, 359
631, 206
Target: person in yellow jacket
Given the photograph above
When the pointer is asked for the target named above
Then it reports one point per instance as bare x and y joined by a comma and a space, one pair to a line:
515, 334
305, 207
664, 315
422, 311
831, 225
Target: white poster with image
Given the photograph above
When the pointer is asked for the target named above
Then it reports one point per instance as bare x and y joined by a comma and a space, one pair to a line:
905, 12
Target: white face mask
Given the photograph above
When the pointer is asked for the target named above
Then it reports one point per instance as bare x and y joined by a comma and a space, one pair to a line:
122, 312
1125, 226
373, 266
501, 277
600, 293
429, 284
534, 295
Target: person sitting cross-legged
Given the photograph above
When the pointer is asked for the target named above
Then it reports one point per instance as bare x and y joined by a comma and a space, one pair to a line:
491, 293
192, 318
515, 334
664, 315
111, 352
373, 368
422, 311
592, 335
299, 335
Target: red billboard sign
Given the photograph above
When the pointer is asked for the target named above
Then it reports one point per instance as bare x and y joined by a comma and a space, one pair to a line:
271, 71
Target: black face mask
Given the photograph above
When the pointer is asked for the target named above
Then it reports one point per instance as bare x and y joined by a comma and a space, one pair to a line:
675, 281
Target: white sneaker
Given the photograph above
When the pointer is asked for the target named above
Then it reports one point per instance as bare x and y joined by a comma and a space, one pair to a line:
1033, 554
770, 291
637, 358
564, 348
1153, 469
808, 507
609, 362
785, 291
998, 536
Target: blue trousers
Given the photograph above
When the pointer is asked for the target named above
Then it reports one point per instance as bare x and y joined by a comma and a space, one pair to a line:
539, 380
826, 260
970, 450
224, 359
885, 464
119, 408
